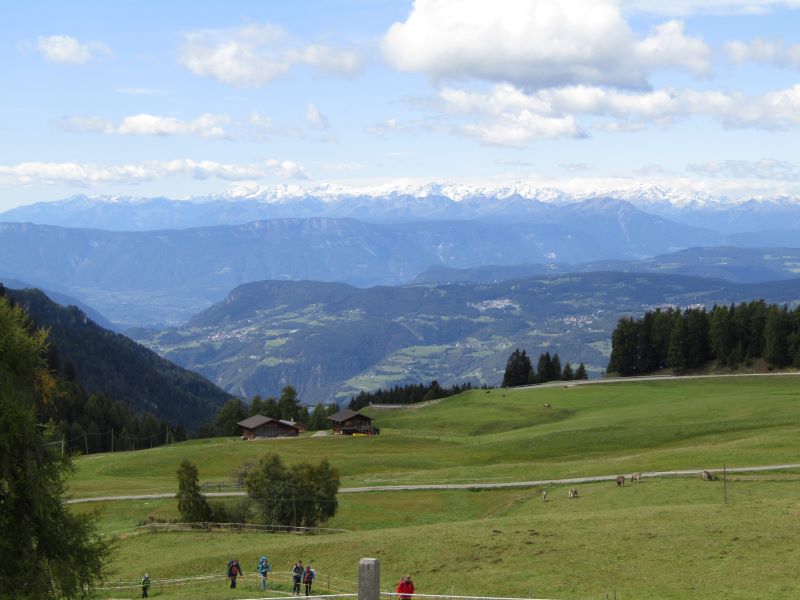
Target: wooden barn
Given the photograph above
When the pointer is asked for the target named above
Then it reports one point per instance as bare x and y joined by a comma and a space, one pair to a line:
259, 426
348, 422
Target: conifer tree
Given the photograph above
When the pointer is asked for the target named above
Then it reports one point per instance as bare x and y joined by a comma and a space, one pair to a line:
580, 372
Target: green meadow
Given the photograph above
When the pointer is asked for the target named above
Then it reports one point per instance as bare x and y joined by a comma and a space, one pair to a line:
661, 538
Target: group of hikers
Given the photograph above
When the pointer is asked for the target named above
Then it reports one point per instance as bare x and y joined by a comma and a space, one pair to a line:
300, 574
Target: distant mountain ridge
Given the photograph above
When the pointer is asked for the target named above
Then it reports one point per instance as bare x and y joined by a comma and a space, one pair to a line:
148, 278
332, 340
741, 265
403, 203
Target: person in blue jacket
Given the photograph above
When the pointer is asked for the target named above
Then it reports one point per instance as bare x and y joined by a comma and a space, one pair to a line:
263, 570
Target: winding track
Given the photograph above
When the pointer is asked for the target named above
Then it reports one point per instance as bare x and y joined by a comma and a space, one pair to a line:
460, 486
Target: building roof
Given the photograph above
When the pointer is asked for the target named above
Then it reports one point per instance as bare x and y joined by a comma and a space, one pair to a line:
257, 421
346, 414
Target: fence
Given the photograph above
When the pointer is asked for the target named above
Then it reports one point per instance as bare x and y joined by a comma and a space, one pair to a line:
368, 586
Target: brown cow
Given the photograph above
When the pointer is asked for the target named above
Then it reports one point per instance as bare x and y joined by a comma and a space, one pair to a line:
620, 480
573, 492
637, 477
707, 476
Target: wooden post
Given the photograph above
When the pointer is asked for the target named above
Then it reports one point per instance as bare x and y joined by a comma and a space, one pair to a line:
112, 440
86, 442
725, 484
369, 579
63, 443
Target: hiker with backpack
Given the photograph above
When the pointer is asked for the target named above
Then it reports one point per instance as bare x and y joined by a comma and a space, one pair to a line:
308, 579
234, 570
263, 570
297, 575
145, 586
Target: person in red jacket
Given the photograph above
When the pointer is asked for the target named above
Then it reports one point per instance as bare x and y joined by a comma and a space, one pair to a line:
405, 587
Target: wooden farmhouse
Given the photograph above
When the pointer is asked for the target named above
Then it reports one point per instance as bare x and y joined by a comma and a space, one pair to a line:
348, 422
258, 426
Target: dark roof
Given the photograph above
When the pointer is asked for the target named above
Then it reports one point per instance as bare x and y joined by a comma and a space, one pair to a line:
258, 420
345, 414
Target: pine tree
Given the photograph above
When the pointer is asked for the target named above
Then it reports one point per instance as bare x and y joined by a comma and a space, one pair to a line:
518, 369
47, 550
192, 504
776, 338
678, 346
256, 407
567, 374
580, 372
555, 368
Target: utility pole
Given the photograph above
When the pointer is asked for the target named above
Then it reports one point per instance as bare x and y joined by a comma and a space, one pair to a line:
725, 484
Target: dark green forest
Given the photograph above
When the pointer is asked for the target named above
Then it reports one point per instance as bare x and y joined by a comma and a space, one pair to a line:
109, 364
731, 336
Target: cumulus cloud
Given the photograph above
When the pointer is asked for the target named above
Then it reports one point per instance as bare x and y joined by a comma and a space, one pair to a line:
207, 125
774, 52
286, 169
65, 49
509, 116
254, 55
690, 7
766, 168
82, 174
536, 44
315, 118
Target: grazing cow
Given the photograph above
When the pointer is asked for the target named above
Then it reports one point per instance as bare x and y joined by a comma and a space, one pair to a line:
620, 480
573, 492
637, 477
548, 405
707, 476
544, 495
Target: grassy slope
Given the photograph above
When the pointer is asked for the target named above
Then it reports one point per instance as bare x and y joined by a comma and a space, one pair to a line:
506, 435
661, 539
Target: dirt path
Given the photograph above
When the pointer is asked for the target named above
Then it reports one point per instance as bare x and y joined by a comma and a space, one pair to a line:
462, 486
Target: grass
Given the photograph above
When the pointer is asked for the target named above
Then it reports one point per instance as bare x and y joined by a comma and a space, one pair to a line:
506, 435
665, 538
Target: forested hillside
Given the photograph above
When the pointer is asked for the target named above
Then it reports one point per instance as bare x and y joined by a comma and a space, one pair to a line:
108, 363
730, 335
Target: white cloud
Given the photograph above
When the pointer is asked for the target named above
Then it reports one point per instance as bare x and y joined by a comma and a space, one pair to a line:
259, 121
286, 169
766, 168
315, 118
254, 55
536, 44
385, 126
690, 7
764, 51
512, 162
507, 115
207, 125
64, 49
85, 175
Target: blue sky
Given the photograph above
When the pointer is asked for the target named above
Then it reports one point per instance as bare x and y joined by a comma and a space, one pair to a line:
189, 98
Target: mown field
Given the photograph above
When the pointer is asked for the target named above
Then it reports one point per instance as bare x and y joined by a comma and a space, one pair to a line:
662, 538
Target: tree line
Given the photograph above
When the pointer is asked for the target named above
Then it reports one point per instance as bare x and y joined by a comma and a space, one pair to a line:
286, 407
520, 371
688, 339
406, 394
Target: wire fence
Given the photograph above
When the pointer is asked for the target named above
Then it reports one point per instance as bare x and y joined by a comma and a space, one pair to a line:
239, 527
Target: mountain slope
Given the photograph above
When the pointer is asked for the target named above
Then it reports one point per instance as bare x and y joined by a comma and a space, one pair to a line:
331, 339
742, 265
114, 365
152, 277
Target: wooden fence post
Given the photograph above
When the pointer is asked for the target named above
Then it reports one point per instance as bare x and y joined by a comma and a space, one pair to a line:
369, 579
